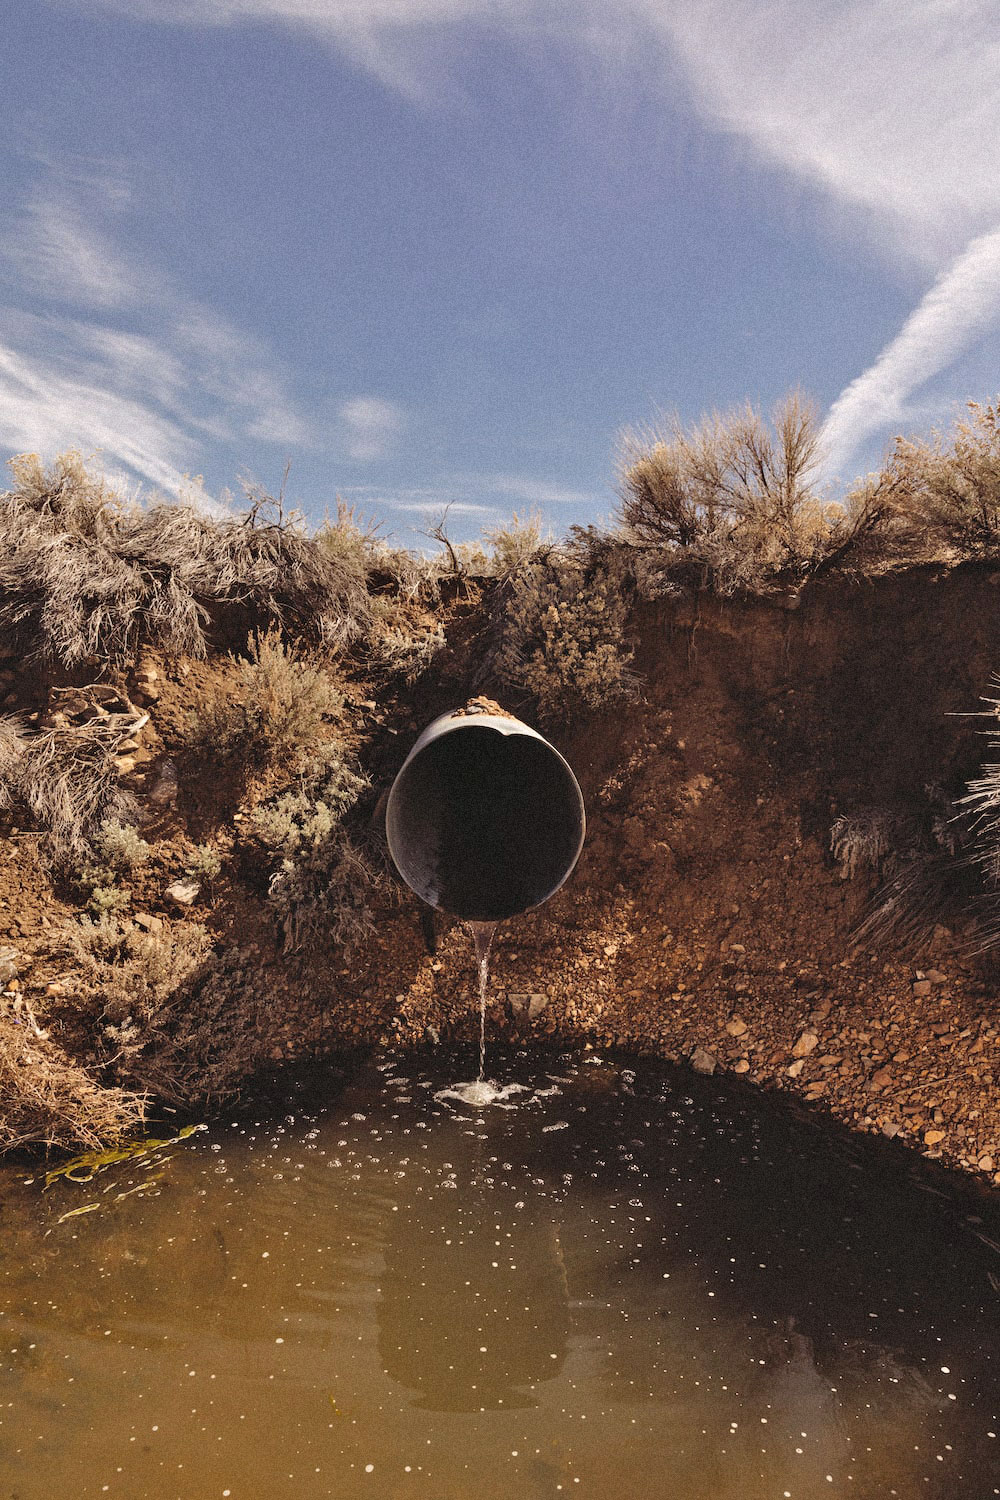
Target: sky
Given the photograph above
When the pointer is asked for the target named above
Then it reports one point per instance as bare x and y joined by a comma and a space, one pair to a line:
438, 254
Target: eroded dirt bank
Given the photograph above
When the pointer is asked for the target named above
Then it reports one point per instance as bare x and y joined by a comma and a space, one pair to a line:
707, 919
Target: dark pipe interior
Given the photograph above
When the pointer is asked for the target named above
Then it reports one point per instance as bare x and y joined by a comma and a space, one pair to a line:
484, 824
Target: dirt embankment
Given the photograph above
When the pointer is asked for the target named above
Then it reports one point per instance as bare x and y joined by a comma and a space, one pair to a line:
707, 919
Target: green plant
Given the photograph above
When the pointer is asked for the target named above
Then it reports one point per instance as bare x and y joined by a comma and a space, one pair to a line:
203, 863
322, 888
277, 706
563, 633
118, 851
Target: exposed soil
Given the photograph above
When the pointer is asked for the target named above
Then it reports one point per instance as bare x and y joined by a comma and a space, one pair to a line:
707, 918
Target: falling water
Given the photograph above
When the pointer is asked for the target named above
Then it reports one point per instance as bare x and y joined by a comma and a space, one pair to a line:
481, 1090
482, 934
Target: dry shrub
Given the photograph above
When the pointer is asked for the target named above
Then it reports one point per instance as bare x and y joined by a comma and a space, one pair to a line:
174, 1017
405, 639
67, 779
322, 889
562, 632
277, 707
869, 838
949, 490
47, 1099
86, 575
728, 503
516, 543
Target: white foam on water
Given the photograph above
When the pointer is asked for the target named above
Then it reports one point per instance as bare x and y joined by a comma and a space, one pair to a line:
481, 1091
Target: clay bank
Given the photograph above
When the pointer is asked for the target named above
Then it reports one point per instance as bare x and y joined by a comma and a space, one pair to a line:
774, 708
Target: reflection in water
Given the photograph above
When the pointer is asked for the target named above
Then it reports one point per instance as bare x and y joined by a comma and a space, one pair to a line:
634, 1284
473, 1308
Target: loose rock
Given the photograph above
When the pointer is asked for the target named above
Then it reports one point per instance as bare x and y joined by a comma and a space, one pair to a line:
183, 892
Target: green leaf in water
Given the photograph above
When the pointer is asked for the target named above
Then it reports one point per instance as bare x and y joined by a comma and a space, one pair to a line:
86, 1167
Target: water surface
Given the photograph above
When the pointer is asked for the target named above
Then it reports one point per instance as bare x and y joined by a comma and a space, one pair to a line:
633, 1285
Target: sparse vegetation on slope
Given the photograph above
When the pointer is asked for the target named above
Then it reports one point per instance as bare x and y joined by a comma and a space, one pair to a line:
281, 676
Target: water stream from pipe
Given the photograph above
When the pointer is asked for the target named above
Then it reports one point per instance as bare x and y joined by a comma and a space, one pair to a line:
482, 935
481, 1090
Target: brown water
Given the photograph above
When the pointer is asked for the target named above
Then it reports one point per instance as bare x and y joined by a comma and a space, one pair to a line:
635, 1285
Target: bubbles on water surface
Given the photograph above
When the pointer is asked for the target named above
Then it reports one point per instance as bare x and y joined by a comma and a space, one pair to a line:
663, 1295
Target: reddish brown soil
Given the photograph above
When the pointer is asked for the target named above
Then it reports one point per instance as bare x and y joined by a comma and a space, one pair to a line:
706, 911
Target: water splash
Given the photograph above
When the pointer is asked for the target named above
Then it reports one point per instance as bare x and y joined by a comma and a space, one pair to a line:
481, 1090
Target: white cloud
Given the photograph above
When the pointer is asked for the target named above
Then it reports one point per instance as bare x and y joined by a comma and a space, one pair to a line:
523, 489
890, 110
58, 253
960, 307
43, 409
371, 426
147, 396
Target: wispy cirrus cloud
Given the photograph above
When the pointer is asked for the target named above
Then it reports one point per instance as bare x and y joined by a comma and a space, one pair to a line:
962, 304
888, 111
371, 425
103, 351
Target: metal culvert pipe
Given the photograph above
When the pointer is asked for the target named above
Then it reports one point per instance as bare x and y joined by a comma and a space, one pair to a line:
485, 818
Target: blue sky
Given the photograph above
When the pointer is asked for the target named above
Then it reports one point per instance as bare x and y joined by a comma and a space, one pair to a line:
440, 252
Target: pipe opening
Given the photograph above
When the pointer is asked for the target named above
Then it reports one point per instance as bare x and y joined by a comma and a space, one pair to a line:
485, 824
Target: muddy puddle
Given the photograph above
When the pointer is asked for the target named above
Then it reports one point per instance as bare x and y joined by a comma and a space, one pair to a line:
632, 1283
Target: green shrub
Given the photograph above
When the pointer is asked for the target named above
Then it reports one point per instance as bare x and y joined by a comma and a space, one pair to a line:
563, 633
204, 863
275, 707
118, 851
321, 891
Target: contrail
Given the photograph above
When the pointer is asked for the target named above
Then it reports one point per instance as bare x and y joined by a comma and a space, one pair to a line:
955, 313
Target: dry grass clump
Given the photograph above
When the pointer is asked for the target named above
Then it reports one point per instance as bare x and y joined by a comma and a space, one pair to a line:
67, 779
86, 575
867, 838
322, 889
930, 880
277, 707
173, 1016
47, 1099
562, 625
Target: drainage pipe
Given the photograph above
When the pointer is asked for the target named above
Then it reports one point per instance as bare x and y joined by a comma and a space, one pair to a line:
485, 818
